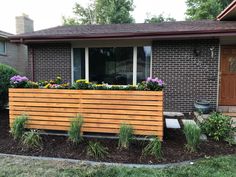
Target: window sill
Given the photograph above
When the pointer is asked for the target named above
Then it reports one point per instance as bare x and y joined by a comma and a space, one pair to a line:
3, 54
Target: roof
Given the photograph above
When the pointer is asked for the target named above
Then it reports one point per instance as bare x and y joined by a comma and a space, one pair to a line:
140, 30
229, 13
5, 34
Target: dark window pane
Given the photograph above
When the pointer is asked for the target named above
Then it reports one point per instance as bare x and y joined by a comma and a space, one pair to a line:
2, 47
111, 65
143, 63
79, 63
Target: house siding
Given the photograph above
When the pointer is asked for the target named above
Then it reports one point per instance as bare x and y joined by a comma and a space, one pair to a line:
16, 57
188, 77
47, 61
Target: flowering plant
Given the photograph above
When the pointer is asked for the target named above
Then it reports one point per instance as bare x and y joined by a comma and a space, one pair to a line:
57, 86
82, 85
18, 81
151, 84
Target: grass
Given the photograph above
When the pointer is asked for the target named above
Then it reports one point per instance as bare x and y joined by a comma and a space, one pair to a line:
20, 167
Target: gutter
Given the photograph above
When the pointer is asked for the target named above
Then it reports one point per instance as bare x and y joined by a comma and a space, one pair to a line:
227, 10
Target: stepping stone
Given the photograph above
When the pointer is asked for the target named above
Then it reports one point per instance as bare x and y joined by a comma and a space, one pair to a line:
172, 123
173, 114
203, 137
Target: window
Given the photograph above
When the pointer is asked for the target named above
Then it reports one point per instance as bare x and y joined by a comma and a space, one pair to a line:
143, 63
2, 47
111, 65
79, 63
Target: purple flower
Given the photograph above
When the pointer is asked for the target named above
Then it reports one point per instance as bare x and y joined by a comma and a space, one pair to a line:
18, 79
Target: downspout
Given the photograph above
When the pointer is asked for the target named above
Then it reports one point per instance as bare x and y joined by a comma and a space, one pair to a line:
32, 64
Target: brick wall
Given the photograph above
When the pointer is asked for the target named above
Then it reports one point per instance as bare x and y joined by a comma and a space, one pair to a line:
188, 77
49, 61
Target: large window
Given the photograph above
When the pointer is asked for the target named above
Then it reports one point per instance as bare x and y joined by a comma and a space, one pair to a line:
111, 65
79, 63
143, 63
2, 47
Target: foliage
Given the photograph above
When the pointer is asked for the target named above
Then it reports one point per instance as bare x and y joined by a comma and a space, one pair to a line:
192, 133
18, 126
55, 84
151, 84
82, 85
153, 148
218, 126
125, 136
32, 139
205, 9
74, 131
6, 72
158, 19
102, 12
31, 84
96, 150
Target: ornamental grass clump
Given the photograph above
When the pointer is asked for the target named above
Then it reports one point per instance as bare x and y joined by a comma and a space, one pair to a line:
153, 148
125, 136
32, 139
74, 133
18, 126
96, 150
192, 133
218, 126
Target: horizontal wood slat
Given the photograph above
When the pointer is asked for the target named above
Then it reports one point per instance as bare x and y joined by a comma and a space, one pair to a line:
103, 110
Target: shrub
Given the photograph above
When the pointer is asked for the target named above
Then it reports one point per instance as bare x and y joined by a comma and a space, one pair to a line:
125, 136
96, 150
82, 85
192, 133
153, 148
74, 132
18, 126
6, 72
218, 126
32, 139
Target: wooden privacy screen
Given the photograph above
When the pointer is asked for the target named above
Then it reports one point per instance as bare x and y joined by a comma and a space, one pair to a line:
103, 110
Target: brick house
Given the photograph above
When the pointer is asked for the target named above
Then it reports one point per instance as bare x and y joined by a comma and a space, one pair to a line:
15, 54
196, 59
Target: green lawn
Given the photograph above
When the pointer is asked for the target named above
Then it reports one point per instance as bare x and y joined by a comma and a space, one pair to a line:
9, 167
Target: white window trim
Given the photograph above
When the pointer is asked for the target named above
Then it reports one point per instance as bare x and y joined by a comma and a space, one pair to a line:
135, 58
5, 45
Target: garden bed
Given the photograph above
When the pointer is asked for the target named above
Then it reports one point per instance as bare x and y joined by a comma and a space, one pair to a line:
103, 111
173, 148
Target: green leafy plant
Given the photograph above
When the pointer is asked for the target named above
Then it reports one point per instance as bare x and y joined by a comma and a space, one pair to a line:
125, 136
192, 133
218, 126
153, 148
6, 72
96, 150
18, 126
32, 139
74, 132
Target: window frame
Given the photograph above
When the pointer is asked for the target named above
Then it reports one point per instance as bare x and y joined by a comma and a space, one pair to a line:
5, 47
135, 58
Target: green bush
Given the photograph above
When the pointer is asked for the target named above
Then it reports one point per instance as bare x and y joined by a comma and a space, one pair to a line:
74, 132
192, 133
32, 139
6, 72
18, 127
125, 136
218, 126
153, 148
96, 150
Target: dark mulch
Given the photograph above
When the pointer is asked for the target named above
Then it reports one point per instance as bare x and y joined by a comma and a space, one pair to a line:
173, 147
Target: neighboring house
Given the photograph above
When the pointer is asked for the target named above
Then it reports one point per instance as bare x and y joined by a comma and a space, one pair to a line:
196, 59
15, 54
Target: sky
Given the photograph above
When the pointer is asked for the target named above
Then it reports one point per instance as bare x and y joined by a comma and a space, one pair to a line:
48, 13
